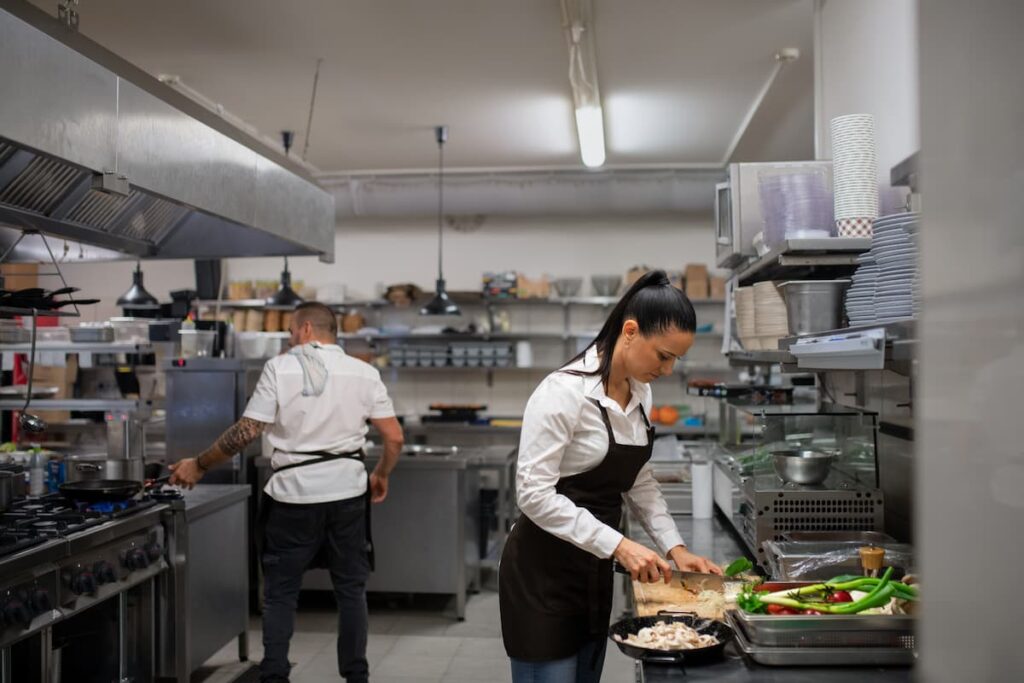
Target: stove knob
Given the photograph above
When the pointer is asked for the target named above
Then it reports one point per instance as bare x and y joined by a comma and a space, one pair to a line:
17, 613
154, 552
104, 572
83, 583
136, 559
41, 601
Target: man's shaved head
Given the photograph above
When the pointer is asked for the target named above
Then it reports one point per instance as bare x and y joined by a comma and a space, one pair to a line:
320, 317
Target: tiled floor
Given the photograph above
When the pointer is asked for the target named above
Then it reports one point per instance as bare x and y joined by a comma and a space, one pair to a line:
410, 642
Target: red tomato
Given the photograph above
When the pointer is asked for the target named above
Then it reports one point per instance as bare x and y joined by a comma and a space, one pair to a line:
779, 609
840, 596
812, 611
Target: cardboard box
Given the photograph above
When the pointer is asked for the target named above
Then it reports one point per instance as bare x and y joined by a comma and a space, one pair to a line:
717, 287
697, 286
20, 275
61, 377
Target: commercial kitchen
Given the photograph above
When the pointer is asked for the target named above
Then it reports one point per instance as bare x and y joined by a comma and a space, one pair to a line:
471, 188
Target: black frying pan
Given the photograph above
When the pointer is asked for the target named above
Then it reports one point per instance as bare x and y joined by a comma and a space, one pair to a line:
627, 627
106, 490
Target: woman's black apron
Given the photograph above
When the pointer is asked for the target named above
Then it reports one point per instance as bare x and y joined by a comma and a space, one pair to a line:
556, 597
320, 560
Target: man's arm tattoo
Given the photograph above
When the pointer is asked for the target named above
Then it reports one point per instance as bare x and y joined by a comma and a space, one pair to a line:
240, 435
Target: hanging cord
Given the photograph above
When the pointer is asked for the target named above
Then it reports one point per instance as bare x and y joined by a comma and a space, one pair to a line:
31, 361
312, 102
442, 135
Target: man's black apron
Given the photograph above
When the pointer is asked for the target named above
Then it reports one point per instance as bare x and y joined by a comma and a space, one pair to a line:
556, 597
266, 501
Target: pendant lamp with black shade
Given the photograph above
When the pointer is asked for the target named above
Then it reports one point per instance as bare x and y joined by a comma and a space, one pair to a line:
285, 296
137, 298
441, 304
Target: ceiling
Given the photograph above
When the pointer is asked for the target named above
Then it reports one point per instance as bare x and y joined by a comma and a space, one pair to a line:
677, 77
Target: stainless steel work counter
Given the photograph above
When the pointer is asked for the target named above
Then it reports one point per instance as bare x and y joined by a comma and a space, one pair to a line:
206, 499
714, 538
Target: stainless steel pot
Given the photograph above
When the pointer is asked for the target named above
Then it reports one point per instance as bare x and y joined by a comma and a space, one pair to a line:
89, 468
6, 490
814, 305
803, 466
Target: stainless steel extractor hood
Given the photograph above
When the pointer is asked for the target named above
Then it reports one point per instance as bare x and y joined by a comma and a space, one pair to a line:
94, 150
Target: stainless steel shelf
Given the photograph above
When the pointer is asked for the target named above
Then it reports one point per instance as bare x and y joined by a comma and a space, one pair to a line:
792, 257
71, 347
501, 336
760, 357
83, 404
897, 330
602, 301
27, 312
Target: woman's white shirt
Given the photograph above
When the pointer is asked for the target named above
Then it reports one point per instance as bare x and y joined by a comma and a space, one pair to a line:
562, 435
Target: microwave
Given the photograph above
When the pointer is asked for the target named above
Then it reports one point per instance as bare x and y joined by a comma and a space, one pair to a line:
738, 206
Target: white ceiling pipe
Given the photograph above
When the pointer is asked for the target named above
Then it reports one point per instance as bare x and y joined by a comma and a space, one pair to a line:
578, 193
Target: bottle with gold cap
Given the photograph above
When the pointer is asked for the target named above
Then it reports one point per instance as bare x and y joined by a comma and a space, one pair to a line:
871, 560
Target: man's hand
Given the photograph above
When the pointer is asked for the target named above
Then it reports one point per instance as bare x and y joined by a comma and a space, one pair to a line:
185, 473
644, 564
688, 562
378, 487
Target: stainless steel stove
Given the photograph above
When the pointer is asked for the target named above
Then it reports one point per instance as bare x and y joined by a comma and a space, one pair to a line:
60, 560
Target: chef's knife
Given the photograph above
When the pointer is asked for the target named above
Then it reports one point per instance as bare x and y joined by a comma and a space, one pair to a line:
693, 581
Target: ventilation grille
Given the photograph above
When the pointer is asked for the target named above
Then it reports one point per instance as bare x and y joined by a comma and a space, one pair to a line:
41, 186
149, 219
98, 209
6, 151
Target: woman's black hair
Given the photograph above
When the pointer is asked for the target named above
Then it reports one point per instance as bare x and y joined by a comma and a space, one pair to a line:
654, 304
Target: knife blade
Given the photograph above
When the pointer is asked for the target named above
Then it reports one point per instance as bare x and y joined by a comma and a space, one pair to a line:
693, 581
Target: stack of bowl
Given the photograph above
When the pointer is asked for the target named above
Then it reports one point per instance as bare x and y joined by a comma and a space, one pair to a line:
771, 322
745, 328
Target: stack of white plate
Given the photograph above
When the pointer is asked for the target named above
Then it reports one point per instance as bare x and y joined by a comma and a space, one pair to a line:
745, 327
855, 174
770, 319
886, 286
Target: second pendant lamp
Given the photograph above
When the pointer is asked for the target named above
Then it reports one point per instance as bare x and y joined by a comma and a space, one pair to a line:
441, 304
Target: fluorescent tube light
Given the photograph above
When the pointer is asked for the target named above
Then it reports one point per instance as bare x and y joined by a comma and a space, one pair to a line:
590, 128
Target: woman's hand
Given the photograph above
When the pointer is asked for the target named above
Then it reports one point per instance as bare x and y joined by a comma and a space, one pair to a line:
644, 564
688, 562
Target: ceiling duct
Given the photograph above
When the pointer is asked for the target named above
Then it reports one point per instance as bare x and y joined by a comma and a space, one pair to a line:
94, 150
525, 193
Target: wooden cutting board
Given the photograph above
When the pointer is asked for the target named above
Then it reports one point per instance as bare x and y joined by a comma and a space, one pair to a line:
650, 598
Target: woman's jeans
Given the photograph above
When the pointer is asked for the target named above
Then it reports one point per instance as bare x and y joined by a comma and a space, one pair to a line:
583, 667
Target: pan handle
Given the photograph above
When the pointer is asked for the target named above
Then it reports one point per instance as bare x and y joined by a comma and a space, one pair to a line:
88, 467
150, 483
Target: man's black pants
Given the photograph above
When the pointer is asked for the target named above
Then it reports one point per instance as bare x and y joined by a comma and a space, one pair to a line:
293, 536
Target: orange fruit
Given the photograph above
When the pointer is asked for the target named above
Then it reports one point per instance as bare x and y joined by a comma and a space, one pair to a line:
655, 414
668, 415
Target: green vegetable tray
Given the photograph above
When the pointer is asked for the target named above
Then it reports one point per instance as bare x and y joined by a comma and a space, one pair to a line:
895, 631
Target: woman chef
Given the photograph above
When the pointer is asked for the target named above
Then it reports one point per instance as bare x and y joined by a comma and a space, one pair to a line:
585, 441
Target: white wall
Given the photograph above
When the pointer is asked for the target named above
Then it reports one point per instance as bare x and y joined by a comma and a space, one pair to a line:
369, 254
867, 62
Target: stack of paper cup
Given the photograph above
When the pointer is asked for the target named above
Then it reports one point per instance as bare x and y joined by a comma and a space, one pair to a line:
745, 328
855, 174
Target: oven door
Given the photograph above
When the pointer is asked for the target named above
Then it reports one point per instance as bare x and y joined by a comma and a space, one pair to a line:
726, 251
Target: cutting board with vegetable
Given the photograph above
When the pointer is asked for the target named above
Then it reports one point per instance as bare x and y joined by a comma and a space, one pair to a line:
651, 598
